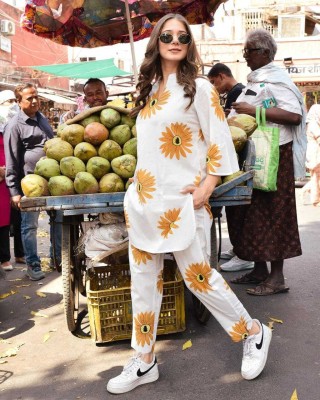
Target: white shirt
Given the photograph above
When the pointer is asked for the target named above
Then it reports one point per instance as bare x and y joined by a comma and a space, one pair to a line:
284, 99
176, 148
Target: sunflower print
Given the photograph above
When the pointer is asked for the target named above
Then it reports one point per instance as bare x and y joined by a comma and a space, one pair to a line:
140, 256
160, 282
155, 103
197, 180
201, 135
213, 156
144, 326
126, 218
239, 331
208, 208
176, 141
215, 103
167, 222
198, 274
145, 185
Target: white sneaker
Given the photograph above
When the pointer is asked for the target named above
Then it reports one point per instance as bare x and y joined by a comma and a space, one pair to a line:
255, 352
236, 264
7, 267
227, 255
135, 373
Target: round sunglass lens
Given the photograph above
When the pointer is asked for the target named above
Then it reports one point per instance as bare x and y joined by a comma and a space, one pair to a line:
184, 39
166, 38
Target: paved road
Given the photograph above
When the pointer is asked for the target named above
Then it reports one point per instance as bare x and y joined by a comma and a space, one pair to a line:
52, 364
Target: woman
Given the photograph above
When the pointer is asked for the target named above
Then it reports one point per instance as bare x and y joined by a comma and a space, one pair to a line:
313, 154
8, 108
267, 229
4, 209
184, 145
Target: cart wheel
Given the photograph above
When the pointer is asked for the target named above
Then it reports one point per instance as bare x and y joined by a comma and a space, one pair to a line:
201, 312
71, 276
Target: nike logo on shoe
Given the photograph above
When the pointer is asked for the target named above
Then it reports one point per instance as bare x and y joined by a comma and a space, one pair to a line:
259, 345
140, 373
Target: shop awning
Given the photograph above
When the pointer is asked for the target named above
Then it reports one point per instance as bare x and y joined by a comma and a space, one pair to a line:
84, 70
56, 98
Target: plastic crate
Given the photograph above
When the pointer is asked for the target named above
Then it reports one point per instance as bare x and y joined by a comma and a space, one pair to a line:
109, 303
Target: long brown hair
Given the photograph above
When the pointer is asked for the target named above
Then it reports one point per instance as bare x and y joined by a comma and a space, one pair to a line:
151, 70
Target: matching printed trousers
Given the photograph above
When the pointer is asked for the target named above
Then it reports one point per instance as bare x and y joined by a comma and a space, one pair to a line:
203, 281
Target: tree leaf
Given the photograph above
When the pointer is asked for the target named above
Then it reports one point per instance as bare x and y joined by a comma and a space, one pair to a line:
38, 314
187, 345
11, 352
46, 337
26, 297
276, 320
5, 295
270, 325
294, 395
40, 294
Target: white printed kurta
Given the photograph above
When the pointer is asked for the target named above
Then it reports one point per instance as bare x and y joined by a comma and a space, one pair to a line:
176, 148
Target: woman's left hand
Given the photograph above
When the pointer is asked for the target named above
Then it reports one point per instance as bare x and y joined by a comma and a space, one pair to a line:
199, 194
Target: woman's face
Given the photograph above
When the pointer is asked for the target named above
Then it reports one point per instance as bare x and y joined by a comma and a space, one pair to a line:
255, 57
173, 51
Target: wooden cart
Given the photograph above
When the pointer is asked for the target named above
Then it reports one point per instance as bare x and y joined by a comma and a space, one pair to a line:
77, 208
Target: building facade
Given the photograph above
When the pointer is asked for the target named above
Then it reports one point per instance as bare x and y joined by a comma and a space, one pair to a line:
295, 27
20, 50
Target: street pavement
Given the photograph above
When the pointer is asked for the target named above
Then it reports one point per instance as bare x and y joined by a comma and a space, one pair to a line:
53, 364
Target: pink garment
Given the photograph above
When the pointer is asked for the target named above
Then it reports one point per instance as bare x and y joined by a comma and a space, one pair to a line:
313, 153
4, 192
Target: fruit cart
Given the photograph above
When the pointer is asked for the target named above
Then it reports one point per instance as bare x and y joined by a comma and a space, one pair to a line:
77, 269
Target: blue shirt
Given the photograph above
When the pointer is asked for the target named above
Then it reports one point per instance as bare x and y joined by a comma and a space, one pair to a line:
24, 139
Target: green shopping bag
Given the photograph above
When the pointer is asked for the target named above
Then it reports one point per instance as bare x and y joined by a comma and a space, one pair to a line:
266, 141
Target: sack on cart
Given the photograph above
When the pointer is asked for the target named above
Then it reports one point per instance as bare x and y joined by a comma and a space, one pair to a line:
108, 233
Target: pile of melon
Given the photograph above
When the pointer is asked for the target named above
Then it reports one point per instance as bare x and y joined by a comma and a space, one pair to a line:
95, 152
241, 127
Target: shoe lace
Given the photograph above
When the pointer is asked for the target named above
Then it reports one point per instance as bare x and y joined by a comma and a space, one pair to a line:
36, 268
247, 347
132, 364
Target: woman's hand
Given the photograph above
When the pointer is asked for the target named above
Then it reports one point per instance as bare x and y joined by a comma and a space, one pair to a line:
200, 197
201, 194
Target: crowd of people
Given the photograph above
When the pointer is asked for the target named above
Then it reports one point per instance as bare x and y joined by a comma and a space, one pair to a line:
178, 166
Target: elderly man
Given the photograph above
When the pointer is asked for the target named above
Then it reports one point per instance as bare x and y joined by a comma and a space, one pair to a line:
24, 139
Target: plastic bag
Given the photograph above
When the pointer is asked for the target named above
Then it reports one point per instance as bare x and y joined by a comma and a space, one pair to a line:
266, 142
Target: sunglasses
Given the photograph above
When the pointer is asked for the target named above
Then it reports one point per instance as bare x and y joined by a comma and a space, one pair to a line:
183, 38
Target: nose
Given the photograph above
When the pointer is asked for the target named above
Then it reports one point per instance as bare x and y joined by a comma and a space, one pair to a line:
175, 39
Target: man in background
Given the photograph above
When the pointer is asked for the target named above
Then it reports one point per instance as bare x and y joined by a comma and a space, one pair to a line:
95, 94
24, 139
221, 77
